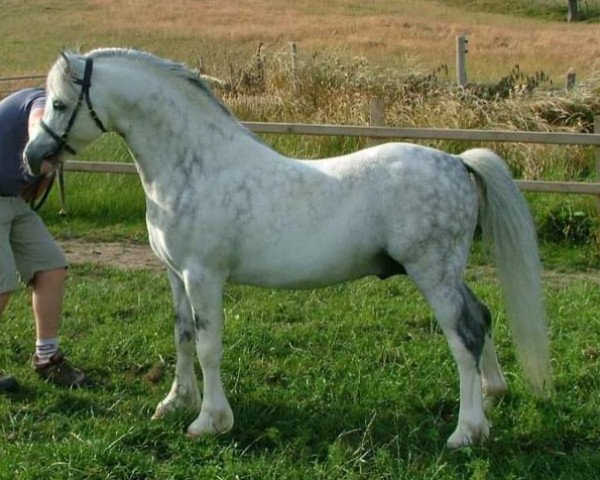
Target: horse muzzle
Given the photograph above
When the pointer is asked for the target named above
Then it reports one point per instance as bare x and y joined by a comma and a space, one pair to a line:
38, 151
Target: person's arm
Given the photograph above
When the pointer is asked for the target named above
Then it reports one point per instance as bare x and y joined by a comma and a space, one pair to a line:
35, 116
38, 186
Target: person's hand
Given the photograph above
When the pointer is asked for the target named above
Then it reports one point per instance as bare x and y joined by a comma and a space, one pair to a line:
46, 167
37, 187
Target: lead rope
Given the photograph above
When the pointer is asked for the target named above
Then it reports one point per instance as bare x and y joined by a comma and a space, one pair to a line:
32, 198
33, 194
61, 188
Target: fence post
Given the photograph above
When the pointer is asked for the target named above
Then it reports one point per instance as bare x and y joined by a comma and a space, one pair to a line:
597, 149
293, 65
259, 63
461, 60
376, 117
570, 81
573, 12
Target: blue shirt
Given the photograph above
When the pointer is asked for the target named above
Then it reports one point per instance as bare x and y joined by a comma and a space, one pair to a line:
14, 125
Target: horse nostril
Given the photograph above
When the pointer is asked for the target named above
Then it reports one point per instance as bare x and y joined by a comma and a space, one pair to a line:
31, 165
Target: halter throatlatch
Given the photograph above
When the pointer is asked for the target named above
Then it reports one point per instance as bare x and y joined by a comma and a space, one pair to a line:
84, 93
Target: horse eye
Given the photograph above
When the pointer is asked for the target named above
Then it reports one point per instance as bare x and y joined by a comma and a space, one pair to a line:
58, 105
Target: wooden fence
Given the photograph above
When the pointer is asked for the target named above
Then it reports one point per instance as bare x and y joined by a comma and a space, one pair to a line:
591, 139
378, 131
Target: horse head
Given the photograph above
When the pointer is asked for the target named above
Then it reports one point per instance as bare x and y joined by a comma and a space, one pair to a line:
63, 128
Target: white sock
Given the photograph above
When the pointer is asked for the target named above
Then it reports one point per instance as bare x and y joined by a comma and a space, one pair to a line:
44, 349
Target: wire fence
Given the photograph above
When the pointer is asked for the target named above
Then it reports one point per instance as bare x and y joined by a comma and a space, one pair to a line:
10, 85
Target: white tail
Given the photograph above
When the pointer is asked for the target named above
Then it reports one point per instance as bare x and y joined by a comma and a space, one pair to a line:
506, 222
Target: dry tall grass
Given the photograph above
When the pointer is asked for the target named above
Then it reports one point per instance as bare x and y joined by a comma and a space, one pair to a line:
334, 87
378, 29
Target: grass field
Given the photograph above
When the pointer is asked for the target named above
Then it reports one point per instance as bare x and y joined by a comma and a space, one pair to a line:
353, 381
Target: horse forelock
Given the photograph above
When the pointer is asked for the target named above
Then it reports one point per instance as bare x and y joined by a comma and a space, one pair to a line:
60, 83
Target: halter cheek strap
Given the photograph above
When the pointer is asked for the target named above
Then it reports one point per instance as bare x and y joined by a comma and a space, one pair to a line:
86, 83
84, 93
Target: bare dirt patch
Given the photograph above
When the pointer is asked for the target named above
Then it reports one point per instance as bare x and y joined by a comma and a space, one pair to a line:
132, 256
113, 254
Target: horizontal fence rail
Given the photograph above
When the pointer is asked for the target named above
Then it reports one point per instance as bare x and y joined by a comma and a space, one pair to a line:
589, 139
10, 85
25, 77
427, 133
525, 185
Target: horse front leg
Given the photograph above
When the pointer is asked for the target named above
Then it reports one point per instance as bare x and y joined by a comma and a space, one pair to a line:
184, 391
205, 292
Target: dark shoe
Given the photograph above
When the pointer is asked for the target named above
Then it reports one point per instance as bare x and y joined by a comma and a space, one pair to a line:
58, 371
7, 382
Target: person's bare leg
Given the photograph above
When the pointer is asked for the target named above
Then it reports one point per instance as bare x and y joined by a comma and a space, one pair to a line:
48, 290
47, 300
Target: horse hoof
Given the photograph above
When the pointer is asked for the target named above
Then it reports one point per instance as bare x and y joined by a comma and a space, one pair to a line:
466, 437
489, 402
213, 423
491, 397
161, 410
157, 416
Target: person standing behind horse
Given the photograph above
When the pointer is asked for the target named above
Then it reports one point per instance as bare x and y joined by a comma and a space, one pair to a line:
27, 250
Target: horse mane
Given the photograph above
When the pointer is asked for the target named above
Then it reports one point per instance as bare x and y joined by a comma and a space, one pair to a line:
172, 69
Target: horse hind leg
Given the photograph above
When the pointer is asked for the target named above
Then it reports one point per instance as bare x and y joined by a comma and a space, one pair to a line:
465, 327
468, 339
492, 379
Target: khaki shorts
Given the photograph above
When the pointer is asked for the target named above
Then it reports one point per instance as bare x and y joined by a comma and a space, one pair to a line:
26, 246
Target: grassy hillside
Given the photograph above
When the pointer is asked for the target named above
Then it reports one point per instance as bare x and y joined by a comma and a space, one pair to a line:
420, 32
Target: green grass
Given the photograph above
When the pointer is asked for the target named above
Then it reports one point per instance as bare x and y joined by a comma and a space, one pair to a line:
353, 381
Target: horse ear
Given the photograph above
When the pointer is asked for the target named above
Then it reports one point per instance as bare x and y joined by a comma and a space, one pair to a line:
65, 57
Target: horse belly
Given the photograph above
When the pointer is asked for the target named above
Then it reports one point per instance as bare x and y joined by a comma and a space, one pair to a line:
296, 266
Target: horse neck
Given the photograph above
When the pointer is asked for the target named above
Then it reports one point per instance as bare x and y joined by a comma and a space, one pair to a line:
169, 129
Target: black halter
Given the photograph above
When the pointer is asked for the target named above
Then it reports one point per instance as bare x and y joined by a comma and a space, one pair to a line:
85, 83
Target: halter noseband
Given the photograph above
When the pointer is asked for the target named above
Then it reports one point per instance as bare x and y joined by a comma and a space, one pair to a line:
85, 83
